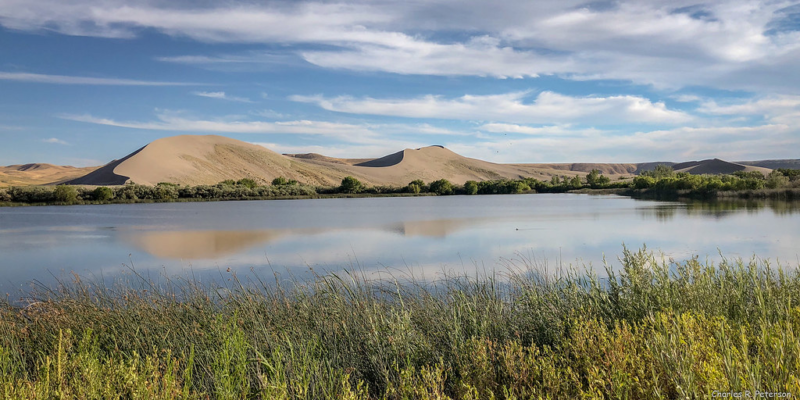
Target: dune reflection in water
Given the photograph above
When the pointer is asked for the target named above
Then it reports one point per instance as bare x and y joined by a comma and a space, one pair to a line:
212, 244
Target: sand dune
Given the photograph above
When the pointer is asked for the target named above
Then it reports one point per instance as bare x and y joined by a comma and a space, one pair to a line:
39, 174
194, 160
210, 159
715, 166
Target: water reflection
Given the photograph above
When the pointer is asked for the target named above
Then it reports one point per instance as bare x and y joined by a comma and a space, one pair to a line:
213, 244
456, 233
720, 208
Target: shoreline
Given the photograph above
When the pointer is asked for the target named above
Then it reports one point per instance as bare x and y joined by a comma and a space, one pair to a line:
638, 194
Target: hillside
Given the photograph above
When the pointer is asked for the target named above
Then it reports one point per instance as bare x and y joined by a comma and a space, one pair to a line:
773, 164
39, 174
715, 166
195, 160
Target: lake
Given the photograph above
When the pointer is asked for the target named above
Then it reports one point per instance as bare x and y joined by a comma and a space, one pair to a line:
419, 235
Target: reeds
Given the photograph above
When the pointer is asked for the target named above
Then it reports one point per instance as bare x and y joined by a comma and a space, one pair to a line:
650, 329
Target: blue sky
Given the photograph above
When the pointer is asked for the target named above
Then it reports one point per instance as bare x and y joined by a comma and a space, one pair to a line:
86, 81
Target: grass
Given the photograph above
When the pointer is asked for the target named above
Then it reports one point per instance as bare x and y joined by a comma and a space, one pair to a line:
652, 329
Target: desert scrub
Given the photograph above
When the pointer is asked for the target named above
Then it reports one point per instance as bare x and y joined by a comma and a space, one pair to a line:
647, 329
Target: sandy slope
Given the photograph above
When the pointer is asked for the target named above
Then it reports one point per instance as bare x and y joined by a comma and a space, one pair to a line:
193, 160
716, 166
39, 174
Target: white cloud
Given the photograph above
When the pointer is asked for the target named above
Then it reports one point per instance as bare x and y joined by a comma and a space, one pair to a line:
222, 96
55, 141
680, 144
731, 44
547, 107
481, 56
687, 98
562, 130
775, 109
172, 122
83, 80
379, 135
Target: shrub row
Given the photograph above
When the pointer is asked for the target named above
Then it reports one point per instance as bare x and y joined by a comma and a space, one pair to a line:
660, 181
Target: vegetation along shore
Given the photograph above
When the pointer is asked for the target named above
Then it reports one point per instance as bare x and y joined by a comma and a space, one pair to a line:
661, 183
651, 329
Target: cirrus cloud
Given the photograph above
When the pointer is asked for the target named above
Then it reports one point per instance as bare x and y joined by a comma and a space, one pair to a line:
546, 107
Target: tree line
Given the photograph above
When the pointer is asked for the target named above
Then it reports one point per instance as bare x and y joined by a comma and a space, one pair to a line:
662, 180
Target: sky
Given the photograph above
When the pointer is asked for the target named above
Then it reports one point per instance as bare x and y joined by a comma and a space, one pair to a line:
83, 82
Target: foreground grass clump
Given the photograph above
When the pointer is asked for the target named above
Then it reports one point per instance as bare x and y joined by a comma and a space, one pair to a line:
651, 330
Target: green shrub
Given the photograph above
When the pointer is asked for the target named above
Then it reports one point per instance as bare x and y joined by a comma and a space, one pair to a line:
102, 193
350, 185
575, 182
441, 187
596, 180
776, 180
661, 171
281, 181
65, 194
247, 182
471, 187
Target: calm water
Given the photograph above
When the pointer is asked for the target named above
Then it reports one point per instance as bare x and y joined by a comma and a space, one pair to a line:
425, 235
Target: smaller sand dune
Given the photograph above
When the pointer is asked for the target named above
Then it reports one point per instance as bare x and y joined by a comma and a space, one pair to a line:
385, 161
105, 175
39, 174
715, 167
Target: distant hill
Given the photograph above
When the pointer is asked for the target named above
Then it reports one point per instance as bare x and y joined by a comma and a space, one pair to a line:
715, 166
194, 160
773, 164
39, 174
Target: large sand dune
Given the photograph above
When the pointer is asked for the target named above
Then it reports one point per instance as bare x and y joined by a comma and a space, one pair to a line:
210, 159
39, 174
195, 160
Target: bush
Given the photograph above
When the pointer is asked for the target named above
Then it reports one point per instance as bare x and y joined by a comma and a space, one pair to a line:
165, 192
65, 194
471, 187
776, 180
247, 182
575, 182
350, 185
644, 182
413, 188
102, 193
281, 181
441, 187
596, 180
661, 171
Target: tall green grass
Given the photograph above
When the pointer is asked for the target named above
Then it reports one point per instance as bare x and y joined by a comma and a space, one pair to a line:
651, 329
